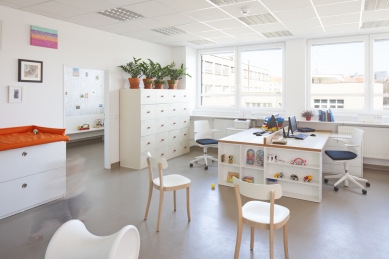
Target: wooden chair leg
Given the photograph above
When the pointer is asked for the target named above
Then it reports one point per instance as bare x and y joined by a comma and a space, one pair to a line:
149, 200
160, 209
271, 242
187, 202
174, 197
252, 239
238, 239
286, 241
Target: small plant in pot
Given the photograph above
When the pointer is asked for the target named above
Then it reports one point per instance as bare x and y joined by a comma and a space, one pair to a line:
175, 74
308, 114
162, 72
133, 68
149, 70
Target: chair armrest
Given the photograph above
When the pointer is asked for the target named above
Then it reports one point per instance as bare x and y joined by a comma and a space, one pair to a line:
344, 141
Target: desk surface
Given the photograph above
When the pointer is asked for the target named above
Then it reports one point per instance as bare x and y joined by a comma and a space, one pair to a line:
246, 137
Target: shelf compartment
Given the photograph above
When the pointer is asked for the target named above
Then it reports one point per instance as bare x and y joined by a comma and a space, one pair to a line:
257, 174
225, 183
254, 167
227, 164
243, 155
297, 166
300, 181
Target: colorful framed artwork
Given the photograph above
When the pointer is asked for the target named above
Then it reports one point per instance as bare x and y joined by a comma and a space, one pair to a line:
250, 157
259, 157
15, 94
30, 71
43, 37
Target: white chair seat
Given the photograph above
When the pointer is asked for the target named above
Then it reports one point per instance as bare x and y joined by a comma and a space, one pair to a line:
172, 180
259, 211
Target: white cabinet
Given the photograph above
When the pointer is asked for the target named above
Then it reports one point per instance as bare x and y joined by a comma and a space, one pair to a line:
155, 121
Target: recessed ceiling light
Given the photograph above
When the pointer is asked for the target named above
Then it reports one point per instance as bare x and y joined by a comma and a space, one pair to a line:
201, 42
227, 2
277, 34
121, 14
170, 31
258, 19
375, 24
372, 5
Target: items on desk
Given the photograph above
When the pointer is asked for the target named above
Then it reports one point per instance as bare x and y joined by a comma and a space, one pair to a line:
270, 123
259, 157
279, 175
242, 124
223, 158
230, 175
298, 161
248, 179
230, 159
294, 177
308, 114
306, 130
250, 157
326, 115
313, 135
308, 178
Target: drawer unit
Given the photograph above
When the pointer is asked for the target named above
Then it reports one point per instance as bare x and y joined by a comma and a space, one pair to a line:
174, 123
174, 96
162, 152
161, 96
174, 150
161, 111
23, 193
184, 134
161, 139
184, 147
147, 112
147, 127
162, 125
174, 109
174, 137
185, 121
183, 96
147, 143
147, 96
21, 162
184, 108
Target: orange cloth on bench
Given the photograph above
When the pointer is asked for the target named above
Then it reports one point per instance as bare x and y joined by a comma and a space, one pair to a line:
18, 137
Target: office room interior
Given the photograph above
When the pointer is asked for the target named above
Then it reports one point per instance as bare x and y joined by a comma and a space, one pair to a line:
83, 153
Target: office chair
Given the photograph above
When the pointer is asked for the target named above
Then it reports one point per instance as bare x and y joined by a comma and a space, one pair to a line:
341, 156
203, 137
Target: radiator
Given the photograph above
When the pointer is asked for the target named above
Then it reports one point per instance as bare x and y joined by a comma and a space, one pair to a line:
375, 141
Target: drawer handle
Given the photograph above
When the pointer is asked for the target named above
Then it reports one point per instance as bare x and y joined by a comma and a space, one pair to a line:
24, 185
24, 154
184, 109
162, 125
161, 95
148, 96
174, 150
148, 127
161, 110
148, 143
174, 109
162, 140
184, 121
162, 154
174, 96
184, 95
174, 123
185, 147
174, 137
148, 112
184, 134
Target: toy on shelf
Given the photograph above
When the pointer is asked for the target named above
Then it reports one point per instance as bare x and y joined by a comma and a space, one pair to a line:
298, 161
271, 180
98, 123
294, 177
279, 175
259, 157
213, 186
308, 178
230, 159
84, 127
250, 157
270, 158
223, 158
230, 175
35, 131
248, 179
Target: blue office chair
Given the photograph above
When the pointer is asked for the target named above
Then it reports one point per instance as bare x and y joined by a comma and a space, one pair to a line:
341, 156
204, 138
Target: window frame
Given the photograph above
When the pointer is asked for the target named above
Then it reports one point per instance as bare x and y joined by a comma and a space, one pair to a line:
366, 77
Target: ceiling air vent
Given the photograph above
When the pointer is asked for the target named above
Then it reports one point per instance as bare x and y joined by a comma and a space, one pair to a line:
121, 14
227, 2
372, 5
258, 19
201, 42
170, 31
375, 24
277, 34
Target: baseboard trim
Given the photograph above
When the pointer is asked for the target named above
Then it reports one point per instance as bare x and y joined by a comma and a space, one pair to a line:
115, 165
376, 167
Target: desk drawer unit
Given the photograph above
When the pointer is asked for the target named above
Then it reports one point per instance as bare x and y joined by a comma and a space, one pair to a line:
174, 137
147, 127
174, 96
161, 110
184, 96
174, 123
147, 97
162, 139
162, 125
147, 112
184, 108
21, 162
161, 96
147, 143
185, 121
174, 109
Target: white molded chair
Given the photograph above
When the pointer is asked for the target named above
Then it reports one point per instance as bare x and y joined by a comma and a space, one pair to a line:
341, 156
73, 240
259, 214
172, 182
204, 138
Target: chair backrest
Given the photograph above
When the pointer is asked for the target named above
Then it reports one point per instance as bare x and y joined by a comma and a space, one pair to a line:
258, 191
357, 136
202, 130
154, 161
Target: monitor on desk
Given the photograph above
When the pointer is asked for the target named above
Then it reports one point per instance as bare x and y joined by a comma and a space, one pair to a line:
292, 125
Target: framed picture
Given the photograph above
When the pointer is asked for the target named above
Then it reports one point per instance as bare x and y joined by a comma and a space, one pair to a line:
15, 94
30, 71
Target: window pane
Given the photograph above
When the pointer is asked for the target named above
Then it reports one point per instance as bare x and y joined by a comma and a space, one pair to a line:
338, 69
381, 74
381, 103
218, 69
218, 100
225, 70
263, 101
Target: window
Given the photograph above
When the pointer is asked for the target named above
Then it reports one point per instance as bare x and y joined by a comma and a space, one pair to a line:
225, 70
218, 69
232, 70
338, 75
381, 74
245, 73
208, 66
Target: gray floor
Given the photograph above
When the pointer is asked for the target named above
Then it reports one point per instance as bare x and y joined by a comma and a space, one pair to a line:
346, 224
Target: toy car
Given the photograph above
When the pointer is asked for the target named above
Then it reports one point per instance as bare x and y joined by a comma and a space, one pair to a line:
308, 178
294, 177
279, 175
298, 161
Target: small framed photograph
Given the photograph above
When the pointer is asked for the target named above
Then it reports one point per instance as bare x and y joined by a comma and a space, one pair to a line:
30, 71
15, 94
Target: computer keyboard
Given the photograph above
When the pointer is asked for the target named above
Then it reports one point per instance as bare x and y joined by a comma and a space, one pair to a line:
300, 136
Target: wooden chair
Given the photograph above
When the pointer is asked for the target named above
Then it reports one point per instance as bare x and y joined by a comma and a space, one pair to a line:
172, 182
258, 214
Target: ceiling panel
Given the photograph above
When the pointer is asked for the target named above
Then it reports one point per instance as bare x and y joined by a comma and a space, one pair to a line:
186, 5
238, 31
208, 14
145, 34
211, 34
124, 2
253, 36
224, 40
225, 23
92, 20
375, 15
339, 9
269, 27
324, 2
137, 25
24, 2
350, 27
307, 31
175, 19
88, 5
150, 9
281, 5
58, 9
9, 4
253, 7
194, 27
296, 14
298, 24
43, 13
347, 18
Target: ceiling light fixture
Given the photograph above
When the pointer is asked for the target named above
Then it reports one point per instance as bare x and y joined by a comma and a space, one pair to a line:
170, 31
372, 5
121, 14
258, 19
375, 24
277, 34
201, 42
245, 11
228, 2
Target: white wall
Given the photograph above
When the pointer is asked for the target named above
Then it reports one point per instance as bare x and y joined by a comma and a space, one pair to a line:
78, 47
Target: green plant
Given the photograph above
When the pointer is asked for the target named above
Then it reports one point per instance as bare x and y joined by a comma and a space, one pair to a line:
161, 73
159, 81
149, 81
149, 69
176, 73
307, 113
133, 68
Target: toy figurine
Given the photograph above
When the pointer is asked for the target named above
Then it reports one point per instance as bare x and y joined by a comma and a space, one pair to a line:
231, 159
223, 158
250, 157
279, 175
308, 178
35, 131
294, 177
213, 186
259, 158
298, 161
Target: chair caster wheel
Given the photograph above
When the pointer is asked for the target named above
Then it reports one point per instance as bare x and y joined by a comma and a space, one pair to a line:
206, 168
364, 191
191, 165
336, 189
326, 180
367, 184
